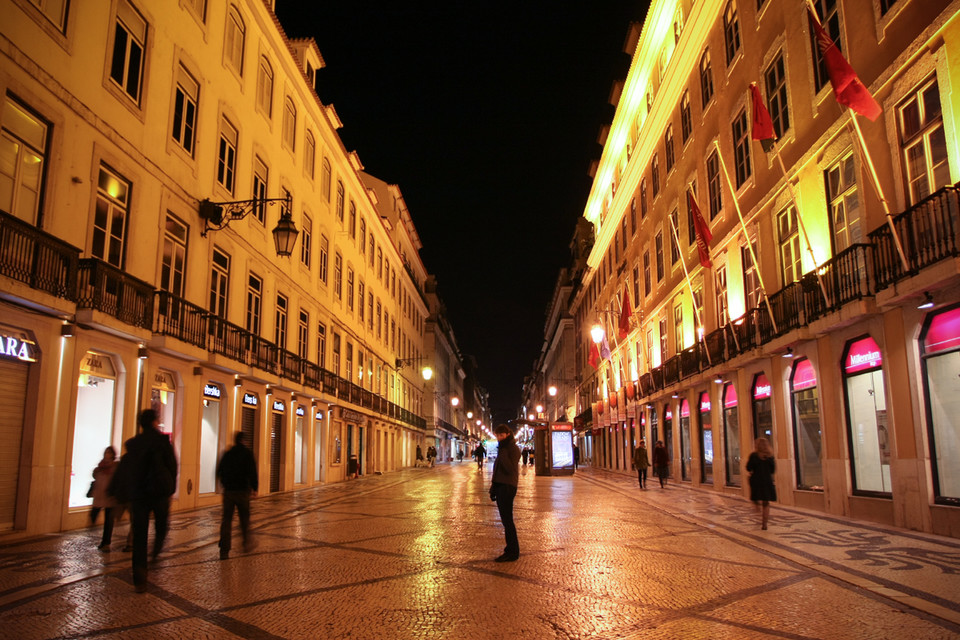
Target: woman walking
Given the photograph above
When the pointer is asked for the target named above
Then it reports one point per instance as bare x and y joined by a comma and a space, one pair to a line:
102, 499
661, 463
761, 467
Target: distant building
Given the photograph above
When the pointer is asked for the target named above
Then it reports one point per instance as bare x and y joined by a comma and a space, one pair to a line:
806, 328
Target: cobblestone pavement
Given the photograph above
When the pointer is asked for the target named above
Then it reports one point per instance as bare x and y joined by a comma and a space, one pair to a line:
409, 555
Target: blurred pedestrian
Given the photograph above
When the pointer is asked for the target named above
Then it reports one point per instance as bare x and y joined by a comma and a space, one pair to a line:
641, 462
480, 453
459, 455
503, 488
147, 475
576, 456
237, 472
419, 462
525, 454
102, 500
761, 467
661, 463
431, 455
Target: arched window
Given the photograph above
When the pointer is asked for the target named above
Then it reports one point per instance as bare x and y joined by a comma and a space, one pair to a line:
265, 87
940, 361
807, 434
706, 79
233, 41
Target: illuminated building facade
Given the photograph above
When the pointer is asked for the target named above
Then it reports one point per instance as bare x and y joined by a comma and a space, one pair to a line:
806, 326
121, 289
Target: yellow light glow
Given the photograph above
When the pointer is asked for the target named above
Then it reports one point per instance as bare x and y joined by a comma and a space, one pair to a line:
427, 373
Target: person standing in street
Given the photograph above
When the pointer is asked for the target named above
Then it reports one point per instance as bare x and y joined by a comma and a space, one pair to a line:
761, 467
503, 488
661, 463
480, 453
147, 475
237, 472
641, 462
576, 456
102, 499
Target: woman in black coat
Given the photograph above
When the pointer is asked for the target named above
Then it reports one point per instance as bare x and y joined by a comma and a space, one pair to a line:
761, 467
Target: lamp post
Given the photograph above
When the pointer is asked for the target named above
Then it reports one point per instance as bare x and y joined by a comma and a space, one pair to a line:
214, 219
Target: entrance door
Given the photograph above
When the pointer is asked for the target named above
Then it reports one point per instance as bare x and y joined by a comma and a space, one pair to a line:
276, 430
13, 392
248, 424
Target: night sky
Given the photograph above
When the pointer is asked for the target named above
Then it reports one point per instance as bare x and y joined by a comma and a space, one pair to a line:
486, 115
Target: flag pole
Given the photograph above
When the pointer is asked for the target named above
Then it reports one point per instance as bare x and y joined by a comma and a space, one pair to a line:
686, 274
865, 155
746, 234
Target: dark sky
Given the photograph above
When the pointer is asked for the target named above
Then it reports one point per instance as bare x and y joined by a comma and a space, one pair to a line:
486, 115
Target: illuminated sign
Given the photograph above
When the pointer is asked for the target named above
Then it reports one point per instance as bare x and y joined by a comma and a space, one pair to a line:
863, 354
279, 405
319, 415
211, 391
804, 377
16, 348
250, 399
704, 405
761, 388
301, 411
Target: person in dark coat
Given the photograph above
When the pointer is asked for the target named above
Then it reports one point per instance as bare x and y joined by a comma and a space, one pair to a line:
237, 472
761, 467
576, 456
147, 475
503, 488
480, 453
419, 455
102, 499
525, 453
641, 462
661, 463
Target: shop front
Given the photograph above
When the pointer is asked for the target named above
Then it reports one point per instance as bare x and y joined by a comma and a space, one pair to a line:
18, 353
97, 423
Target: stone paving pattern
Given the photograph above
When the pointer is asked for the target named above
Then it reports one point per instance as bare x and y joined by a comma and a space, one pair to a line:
410, 555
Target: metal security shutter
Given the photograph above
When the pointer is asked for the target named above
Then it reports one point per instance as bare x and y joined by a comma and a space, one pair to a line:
13, 393
248, 424
275, 452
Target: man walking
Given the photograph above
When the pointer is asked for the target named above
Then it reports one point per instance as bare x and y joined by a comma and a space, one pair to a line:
237, 473
480, 453
503, 488
640, 462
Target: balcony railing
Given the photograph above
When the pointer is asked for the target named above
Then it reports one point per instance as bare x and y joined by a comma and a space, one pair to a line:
928, 232
105, 288
264, 354
312, 375
37, 259
671, 371
690, 361
180, 319
787, 307
290, 365
228, 339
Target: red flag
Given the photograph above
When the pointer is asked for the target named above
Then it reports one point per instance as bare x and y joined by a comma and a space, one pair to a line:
703, 231
762, 129
594, 358
625, 313
847, 88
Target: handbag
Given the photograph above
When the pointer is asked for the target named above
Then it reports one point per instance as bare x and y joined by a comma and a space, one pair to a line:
90, 490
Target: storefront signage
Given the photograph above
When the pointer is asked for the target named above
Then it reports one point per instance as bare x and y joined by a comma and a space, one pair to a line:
250, 399
704, 404
319, 415
16, 348
804, 377
164, 382
301, 411
943, 334
279, 405
668, 415
351, 416
684, 409
97, 364
212, 391
729, 397
761, 387
863, 354
561, 426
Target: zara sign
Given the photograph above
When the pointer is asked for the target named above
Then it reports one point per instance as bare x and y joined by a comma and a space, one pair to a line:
13, 347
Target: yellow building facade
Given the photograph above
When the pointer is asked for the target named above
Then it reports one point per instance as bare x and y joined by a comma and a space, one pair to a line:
124, 285
808, 327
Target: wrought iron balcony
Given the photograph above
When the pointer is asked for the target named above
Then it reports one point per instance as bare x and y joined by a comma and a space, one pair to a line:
37, 259
180, 319
291, 365
105, 288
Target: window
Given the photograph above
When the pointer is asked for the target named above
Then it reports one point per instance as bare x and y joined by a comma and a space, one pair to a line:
678, 24
655, 175
259, 189
636, 285
844, 203
56, 11
731, 30
110, 217
646, 272
309, 154
361, 300
741, 147
289, 135
829, 12
321, 345
751, 281
664, 340
623, 237
372, 243
776, 80
353, 220
678, 326
340, 199
706, 79
338, 276
806, 425
227, 155
380, 264
129, 42
643, 198
923, 142
668, 147
674, 237
363, 237
686, 122
326, 179
324, 257
303, 326
659, 248
219, 280
633, 216
280, 328
254, 300
379, 320
885, 6
233, 40
336, 353
185, 100
350, 288
174, 258
23, 147
199, 7
940, 353
370, 310
691, 228
789, 236
714, 192
723, 312
306, 241
265, 88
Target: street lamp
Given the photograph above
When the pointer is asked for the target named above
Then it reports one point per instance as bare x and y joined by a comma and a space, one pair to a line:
552, 390
469, 415
214, 218
426, 371
596, 334
455, 401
